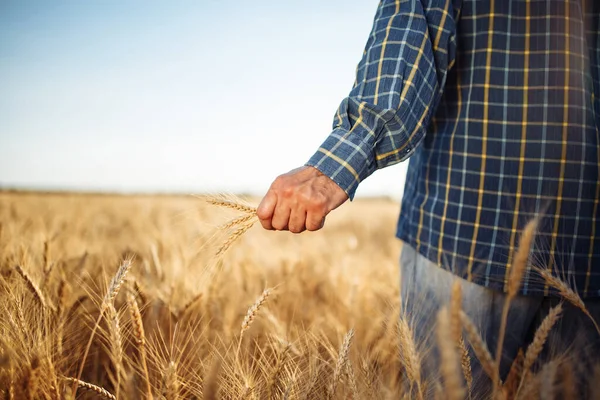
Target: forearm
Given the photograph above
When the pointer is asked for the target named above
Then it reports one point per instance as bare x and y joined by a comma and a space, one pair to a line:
398, 85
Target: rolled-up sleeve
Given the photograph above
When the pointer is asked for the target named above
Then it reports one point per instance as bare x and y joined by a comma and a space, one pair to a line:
399, 82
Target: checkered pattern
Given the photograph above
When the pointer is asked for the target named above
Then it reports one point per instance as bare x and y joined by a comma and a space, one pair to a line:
496, 104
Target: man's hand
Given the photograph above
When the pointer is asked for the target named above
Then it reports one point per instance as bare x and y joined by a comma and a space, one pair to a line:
299, 201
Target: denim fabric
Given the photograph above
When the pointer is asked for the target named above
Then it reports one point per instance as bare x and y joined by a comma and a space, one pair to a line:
425, 288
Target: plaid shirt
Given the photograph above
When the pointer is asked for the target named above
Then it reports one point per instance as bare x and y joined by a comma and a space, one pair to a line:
496, 104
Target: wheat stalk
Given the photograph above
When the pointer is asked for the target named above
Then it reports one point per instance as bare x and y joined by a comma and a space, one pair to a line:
449, 358
116, 342
88, 386
341, 362
140, 338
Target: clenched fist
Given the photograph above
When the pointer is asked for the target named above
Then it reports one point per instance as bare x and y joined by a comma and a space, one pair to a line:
299, 201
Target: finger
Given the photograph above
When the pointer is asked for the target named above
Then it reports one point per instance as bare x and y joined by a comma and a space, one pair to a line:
281, 217
266, 208
314, 221
297, 220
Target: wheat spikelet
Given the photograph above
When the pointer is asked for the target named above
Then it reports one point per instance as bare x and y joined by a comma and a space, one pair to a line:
539, 339
235, 235
232, 204
465, 364
567, 293
93, 388
408, 353
253, 310
35, 290
140, 338
479, 347
449, 358
341, 362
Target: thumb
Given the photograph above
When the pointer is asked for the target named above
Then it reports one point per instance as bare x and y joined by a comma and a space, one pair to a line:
266, 208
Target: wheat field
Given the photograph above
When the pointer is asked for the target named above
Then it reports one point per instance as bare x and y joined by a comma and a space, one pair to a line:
177, 297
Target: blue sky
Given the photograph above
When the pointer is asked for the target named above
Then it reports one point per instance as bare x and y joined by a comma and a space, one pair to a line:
188, 96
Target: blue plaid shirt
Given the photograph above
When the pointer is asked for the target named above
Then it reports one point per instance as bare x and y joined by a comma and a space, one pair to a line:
496, 104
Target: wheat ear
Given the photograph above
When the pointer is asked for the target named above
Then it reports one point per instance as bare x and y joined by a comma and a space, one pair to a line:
514, 376
352, 380
449, 358
235, 235
341, 362
253, 310
539, 339
481, 351
517, 269
171, 382
568, 293
273, 387
113, 289
237, 221
409, 354
93, 388
465, 364
33, 287
140, 338
455, 327
231, 204
188, 306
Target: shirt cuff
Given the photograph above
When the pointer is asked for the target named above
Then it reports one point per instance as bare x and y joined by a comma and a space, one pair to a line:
346, 159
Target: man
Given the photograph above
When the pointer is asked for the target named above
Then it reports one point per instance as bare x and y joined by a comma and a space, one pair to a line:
496, 103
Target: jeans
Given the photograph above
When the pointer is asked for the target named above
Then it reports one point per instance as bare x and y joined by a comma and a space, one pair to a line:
425, 288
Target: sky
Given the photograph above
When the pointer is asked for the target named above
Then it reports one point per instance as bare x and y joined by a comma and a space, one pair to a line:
174, 96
